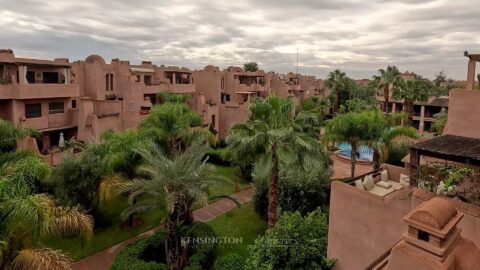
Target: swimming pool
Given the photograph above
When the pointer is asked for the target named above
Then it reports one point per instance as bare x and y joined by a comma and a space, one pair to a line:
364, 153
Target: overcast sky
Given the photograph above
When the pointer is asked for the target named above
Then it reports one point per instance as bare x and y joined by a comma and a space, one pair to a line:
358, 37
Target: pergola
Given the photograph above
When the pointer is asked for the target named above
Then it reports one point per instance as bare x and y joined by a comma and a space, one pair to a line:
454, 148
473, 59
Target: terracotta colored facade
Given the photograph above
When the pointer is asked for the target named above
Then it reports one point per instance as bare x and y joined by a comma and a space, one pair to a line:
82, 99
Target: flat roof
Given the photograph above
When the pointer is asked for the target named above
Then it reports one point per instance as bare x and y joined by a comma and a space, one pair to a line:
143, 70
35, 62
451, 147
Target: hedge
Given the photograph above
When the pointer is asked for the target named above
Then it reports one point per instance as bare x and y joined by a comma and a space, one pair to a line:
231, 261
215, 157
143, 254
202, 251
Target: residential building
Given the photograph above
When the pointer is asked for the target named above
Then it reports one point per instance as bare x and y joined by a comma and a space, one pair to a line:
87, 97
39, 94
423, 111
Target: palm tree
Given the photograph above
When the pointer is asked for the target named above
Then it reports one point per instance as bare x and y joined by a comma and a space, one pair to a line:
179, 183
410, 91
354, 128
336, 82
386, 80
174, 126
10, 134
26, 217
269, 135
389, 136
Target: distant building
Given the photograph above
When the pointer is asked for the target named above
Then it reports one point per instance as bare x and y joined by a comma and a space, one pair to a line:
85, 98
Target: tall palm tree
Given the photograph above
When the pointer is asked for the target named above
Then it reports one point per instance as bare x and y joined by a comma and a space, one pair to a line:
178, 183
26, 217
355, 129
336, 82
270, 136
410, 91
386, 80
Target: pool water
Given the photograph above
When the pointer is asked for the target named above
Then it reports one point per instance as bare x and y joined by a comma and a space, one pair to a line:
365, 153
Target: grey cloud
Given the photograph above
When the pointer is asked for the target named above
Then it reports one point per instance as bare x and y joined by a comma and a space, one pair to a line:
357, 36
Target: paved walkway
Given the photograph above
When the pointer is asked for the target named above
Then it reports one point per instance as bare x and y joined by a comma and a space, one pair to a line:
103, 259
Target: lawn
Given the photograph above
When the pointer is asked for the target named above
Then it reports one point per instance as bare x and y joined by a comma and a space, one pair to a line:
241, 223
227, 188
114, 233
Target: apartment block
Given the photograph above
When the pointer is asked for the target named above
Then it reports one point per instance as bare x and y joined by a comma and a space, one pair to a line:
82, 99
39, 94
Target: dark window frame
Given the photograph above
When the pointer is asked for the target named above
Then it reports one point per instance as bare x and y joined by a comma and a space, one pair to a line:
55, 107
36, 113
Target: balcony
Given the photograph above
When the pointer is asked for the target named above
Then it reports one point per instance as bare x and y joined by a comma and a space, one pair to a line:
38, 91
182, 88
54, 121
250, 88
295, 88
153, 89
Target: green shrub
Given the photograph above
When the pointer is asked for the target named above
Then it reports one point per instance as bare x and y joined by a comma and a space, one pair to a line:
144, 254
201, 251
215, 156
395, 154
231, 261
295, 242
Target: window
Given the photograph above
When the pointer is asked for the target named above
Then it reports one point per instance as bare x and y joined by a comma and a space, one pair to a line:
50, 77
31, 77
33, 110
213, 120
56, 107
147, 79
138, 78
109, 82
227, 97
74, 104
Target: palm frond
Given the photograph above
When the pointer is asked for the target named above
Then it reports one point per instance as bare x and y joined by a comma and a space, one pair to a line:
41, 259
72, 221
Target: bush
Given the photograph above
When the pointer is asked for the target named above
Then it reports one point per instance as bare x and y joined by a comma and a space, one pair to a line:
76, 180
295, 242
143, 254
215, 156
231, 261
395, 154
202, 253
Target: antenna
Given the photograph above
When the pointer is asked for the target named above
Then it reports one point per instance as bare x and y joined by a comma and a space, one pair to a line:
297, 60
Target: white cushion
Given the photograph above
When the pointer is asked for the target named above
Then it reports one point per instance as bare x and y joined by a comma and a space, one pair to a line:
359, 184
384, 184
384, 175
404, 180
368, 182
381, 191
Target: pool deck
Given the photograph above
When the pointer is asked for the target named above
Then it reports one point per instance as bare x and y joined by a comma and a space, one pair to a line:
342, 167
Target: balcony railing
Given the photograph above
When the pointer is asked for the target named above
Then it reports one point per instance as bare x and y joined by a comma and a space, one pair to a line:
33, 91
181, 88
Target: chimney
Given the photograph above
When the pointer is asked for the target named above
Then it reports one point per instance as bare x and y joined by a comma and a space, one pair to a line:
431, 237
6, 53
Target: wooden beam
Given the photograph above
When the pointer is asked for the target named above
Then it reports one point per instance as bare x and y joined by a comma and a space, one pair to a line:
414, 164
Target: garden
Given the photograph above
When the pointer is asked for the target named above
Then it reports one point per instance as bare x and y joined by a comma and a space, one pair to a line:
158, 175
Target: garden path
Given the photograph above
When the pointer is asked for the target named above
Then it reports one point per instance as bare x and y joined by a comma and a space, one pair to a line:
104, 259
